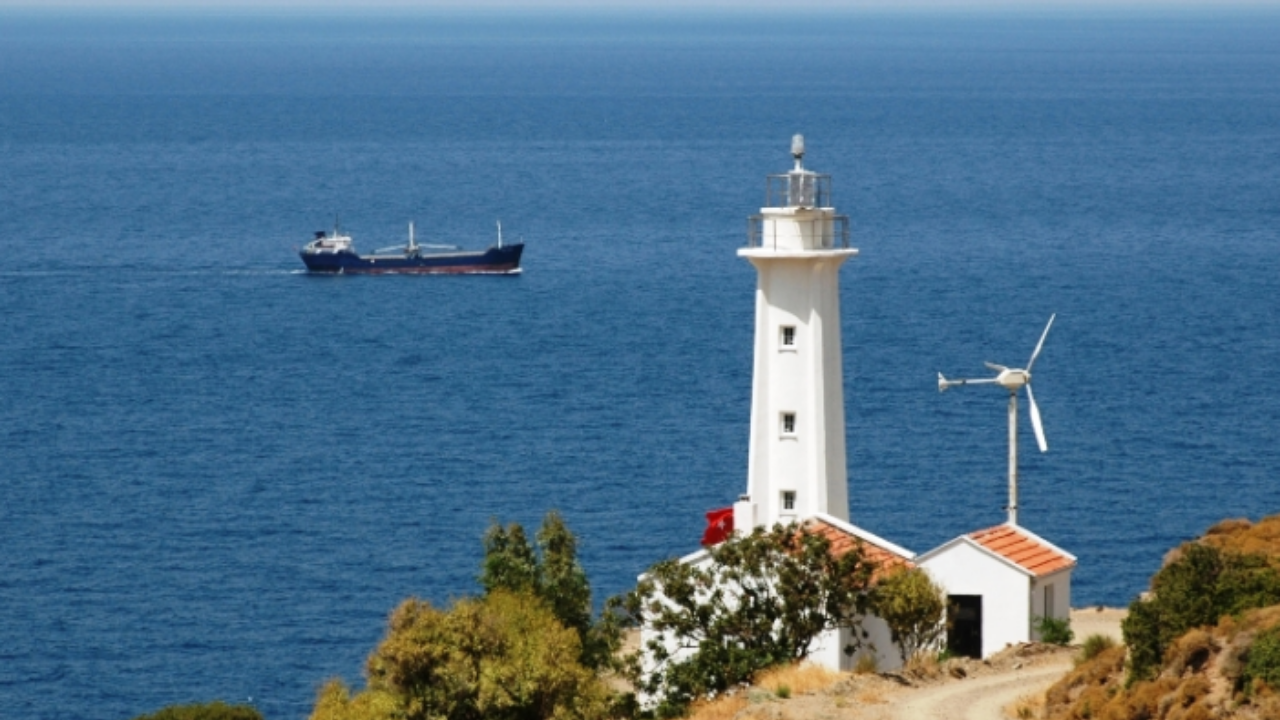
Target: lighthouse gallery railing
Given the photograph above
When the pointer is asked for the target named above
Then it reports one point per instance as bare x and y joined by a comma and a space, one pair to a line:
828, 233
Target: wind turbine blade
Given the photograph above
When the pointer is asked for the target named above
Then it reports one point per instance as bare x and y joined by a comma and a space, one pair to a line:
993, 366
1040, 344
1035, 420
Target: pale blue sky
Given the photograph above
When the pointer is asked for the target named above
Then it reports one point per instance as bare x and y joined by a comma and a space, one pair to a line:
674, 5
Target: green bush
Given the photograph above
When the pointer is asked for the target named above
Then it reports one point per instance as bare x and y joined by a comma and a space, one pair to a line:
526, 650
913, 607
501, 657
552, 574
760, 601
1055, 631
216, 710
1264, 660
1199, 588
1141, 632
1094, 645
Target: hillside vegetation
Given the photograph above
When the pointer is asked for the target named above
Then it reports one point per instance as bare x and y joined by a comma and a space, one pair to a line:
529, 648
1203, 643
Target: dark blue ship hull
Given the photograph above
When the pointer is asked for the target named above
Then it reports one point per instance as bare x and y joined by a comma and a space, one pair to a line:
503, 260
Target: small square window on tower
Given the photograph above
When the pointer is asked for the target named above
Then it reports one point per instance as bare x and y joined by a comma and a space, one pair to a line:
788, 500
788, 336
788, 423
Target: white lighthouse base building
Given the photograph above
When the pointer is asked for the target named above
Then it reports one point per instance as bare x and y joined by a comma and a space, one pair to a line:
828, 650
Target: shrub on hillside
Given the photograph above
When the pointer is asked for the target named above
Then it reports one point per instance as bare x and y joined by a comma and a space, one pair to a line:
1055, 631
1190, 652
1263, 661
1198, 588
501, 657
1243, 537
1091, 683
1094, 645
1197, 648
216, 710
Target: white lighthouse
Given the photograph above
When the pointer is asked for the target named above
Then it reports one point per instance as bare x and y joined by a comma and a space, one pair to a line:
796, 469
796, 465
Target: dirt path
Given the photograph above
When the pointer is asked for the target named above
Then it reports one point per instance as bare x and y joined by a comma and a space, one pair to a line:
958, 689
982, 698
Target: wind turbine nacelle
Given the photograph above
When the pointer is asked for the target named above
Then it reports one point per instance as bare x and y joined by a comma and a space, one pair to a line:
943, 383
1013, 379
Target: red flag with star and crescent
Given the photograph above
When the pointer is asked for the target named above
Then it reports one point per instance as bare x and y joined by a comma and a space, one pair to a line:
719, 526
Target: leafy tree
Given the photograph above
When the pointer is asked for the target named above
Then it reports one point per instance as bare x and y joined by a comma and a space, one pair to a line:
509, 561
553, 574
913, 607
563, 584
1198, 588
216, 710
501, 657
760, 601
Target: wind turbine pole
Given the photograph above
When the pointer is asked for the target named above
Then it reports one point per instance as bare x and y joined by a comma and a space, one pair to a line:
1013, 458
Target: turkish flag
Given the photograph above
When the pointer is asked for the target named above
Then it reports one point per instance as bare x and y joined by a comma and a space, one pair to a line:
719, 526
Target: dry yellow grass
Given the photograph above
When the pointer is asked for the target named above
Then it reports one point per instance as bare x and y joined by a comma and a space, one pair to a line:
1241, 536
1025, 707
798, 679
923, 665
871, 697
722, 708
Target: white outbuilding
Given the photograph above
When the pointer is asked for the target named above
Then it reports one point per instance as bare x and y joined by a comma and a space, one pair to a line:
999, 582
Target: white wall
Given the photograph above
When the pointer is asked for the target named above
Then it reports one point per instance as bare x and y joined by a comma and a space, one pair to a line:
963, 569
828, 649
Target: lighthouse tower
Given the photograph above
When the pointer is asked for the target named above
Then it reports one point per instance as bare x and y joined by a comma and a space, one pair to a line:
796, 465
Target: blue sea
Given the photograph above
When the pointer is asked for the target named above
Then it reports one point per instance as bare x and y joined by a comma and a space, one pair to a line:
219, 474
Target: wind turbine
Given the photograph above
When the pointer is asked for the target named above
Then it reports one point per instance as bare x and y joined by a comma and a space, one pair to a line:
1013, 379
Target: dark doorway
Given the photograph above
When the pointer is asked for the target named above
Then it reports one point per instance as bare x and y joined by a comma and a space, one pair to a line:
964, 636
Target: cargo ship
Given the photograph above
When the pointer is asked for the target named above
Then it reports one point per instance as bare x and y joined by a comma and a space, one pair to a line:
333, 252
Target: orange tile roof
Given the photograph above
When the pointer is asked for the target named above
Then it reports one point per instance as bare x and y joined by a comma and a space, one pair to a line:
1023, 549
842, 541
